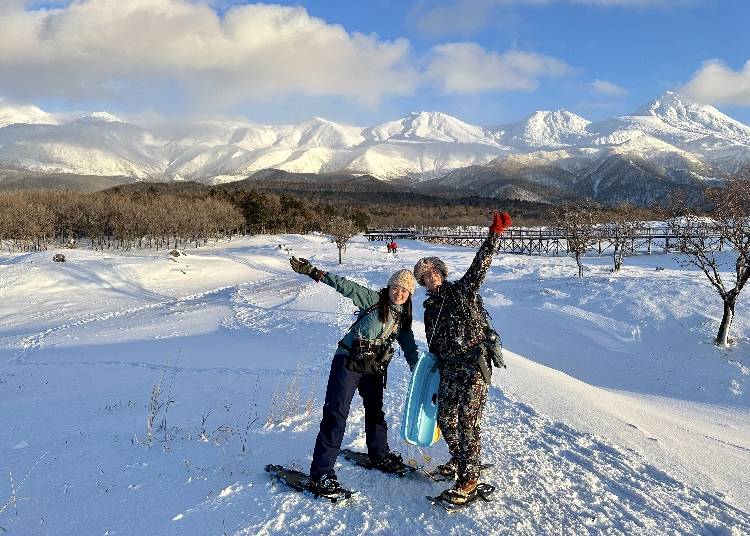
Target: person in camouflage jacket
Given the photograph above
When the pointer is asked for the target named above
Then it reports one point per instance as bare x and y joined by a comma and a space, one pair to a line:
457, 333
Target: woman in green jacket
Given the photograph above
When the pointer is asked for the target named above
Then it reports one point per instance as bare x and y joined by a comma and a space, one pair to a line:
360, 363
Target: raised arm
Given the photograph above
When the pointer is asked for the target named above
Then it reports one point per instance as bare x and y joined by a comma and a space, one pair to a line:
474, 276
362, 297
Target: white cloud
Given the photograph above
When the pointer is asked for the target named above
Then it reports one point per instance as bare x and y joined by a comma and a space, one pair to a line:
182, 53
465, 17
468, 68
460, 17
608, 88
105, 48
717, 83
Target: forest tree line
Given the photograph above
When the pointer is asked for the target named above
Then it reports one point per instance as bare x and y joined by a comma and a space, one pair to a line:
32, 220
158, 215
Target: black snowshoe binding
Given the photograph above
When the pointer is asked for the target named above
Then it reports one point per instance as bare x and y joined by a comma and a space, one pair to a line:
392, 463
327, 487
461, 496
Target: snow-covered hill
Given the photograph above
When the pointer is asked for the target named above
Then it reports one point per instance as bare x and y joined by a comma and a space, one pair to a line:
616, 415
671, 134
97, 144
546, 130
430, 127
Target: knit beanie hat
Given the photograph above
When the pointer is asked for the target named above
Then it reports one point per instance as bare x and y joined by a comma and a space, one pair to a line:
404, 279
426, 264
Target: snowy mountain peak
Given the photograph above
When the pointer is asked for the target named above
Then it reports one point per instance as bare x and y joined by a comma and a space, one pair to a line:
438, 121
432, 117
560, 121
547, 129
429, 126
102, 116
320, 132
317, 120
671, 107
682, 113
670, 104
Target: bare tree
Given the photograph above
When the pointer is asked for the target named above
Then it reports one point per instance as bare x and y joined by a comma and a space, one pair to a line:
700, 239
578, 223
621, 229
341, 230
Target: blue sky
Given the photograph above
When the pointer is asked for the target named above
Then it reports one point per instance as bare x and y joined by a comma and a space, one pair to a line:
483, 61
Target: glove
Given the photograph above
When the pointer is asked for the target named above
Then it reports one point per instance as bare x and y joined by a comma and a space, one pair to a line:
500, 222
303, 266
507, 222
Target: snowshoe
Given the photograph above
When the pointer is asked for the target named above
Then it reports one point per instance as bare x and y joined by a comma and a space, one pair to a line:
453, 499
391, 463
327, 487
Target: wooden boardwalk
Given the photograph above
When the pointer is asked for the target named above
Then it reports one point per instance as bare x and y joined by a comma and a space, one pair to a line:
534, 241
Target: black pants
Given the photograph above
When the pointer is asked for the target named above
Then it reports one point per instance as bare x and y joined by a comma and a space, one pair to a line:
342, 383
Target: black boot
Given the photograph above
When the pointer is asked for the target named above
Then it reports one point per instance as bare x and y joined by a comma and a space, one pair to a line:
328, 484
390, 463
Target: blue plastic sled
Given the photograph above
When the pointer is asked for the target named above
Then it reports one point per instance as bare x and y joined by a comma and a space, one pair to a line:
419, 423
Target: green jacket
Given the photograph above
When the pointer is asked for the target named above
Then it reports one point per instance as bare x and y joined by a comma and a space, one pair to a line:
370, 327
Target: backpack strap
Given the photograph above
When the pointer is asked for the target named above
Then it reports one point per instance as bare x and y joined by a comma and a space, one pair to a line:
362, 314
493, 340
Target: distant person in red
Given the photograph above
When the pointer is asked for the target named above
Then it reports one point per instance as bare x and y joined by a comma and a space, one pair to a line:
392, 246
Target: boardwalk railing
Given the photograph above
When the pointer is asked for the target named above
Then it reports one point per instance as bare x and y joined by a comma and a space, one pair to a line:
541, 240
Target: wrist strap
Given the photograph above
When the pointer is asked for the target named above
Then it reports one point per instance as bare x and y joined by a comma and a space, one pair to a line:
317, 275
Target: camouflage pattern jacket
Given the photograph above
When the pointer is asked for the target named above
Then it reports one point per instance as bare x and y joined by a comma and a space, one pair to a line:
453, 316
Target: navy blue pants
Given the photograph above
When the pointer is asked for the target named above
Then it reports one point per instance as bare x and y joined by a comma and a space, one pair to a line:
341, 386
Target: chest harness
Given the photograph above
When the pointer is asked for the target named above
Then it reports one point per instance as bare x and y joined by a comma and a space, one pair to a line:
372, 356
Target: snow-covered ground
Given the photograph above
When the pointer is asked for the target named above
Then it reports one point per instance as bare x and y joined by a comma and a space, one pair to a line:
616, 414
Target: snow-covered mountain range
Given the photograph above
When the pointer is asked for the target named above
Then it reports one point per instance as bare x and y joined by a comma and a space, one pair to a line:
670, 140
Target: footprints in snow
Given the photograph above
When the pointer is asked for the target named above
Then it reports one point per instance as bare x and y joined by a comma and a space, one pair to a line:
576, 483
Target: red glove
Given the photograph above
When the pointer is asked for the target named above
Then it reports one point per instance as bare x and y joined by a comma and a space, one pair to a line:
500, 222
507, 222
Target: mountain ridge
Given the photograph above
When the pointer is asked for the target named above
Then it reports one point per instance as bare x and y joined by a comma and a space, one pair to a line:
668, 134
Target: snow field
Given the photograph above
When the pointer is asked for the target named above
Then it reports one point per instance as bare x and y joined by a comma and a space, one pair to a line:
616, 414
